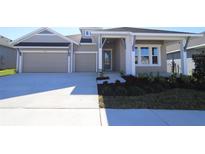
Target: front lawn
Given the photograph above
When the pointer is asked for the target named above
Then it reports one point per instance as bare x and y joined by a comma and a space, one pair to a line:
184, 92
7, 72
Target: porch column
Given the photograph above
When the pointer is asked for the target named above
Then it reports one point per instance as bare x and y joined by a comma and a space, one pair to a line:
183, 56
100, 59
129, 56
133, 56
100, 68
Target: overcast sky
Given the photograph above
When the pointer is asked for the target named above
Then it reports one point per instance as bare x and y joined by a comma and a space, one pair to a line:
16, 32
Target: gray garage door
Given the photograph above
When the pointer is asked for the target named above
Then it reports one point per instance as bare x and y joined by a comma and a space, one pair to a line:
85, 62
45, 62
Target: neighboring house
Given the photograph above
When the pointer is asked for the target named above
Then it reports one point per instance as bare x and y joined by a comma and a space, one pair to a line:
7, 54
128, 50
194, 46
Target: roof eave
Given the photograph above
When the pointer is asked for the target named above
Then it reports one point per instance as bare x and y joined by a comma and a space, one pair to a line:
168, 34
148, 34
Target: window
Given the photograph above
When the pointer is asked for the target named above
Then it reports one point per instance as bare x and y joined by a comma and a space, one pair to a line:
87, 33
136, 55
144, 55
155, 55
147, 55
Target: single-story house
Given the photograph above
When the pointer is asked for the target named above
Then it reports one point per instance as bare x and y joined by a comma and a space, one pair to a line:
7, 54
125, 49
194, 46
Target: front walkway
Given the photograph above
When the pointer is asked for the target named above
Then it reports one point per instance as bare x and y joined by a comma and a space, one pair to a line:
113, 77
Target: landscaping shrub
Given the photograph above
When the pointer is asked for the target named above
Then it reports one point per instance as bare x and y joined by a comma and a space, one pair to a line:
120, 91
172, 80
199, 71
136, 86
117, 82
107, 91
135, 91
105, 82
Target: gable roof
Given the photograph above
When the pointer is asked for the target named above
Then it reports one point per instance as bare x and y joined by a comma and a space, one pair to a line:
43, 30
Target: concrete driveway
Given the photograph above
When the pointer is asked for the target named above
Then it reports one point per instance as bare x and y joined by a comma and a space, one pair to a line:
67, 99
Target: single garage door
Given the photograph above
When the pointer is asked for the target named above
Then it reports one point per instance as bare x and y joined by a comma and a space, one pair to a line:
85, 62
45, 62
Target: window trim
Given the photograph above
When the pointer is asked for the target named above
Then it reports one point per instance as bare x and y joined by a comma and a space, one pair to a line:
87, 35
150, 46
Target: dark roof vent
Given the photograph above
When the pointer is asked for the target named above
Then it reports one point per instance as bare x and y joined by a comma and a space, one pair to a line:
86, 40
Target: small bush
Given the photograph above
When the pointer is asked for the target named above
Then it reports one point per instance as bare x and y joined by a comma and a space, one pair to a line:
117, 82
199, 71
105, 82
120, 91
107, 91
135, 91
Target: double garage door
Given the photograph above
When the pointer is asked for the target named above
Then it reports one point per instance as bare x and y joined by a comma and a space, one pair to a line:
39, 62
45, 62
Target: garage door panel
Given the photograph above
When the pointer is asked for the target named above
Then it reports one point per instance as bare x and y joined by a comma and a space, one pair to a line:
85, 62
45, 62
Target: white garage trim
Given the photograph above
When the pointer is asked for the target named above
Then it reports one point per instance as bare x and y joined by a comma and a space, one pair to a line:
39, 47
85, 52
43, 51
88, 52
69, 62
71, 57
20, 62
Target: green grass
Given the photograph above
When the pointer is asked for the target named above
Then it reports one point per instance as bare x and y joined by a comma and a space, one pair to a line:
187, 99
7, 72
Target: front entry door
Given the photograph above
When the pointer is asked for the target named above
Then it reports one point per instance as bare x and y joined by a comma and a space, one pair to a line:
107, 60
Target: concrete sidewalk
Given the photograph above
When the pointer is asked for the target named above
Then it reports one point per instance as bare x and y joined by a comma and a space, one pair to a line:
49, 117
147, 117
